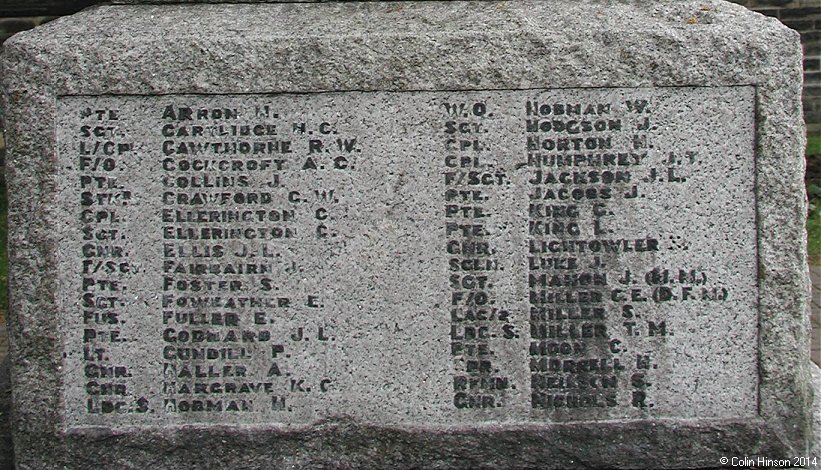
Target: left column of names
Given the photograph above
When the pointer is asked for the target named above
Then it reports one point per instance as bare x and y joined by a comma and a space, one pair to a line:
106, 266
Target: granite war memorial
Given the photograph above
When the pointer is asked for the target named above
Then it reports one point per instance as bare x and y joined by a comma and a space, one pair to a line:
408, 234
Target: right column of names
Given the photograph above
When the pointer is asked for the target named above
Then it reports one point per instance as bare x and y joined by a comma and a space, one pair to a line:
596, 283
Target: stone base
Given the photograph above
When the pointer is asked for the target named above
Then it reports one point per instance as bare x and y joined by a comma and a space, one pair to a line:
816, 450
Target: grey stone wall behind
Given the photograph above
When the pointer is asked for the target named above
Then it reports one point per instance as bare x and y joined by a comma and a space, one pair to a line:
10, 26
803, 16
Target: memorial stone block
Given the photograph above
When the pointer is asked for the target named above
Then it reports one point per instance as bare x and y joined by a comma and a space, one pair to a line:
405, 234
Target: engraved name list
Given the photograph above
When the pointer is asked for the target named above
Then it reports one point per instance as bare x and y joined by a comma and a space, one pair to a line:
407, 257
